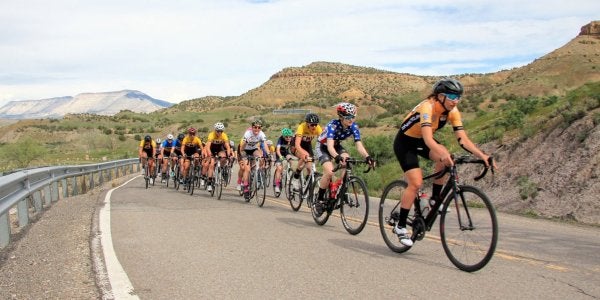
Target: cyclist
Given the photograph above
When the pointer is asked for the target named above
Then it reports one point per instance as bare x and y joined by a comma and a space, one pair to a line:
250, 145
282, 151
176, 154
330, 147
217, 144
146, 152
306, 132
234, 150
164, 151
189, 147
415, 138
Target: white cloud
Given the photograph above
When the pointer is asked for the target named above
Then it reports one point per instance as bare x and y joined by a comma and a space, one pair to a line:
188, 49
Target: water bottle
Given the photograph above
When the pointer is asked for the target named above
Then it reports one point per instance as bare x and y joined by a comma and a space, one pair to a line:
423, 203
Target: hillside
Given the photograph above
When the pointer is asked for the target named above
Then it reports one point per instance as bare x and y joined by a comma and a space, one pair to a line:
540, 121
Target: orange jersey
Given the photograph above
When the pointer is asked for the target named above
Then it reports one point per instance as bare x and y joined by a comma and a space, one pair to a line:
430, 113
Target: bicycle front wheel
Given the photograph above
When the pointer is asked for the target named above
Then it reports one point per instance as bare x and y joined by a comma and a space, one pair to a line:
389, 212
355, 205
260, 188
469, 229
321, 218
295, 195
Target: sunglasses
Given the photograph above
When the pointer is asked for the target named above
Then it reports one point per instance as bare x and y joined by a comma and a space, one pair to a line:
349, 117
219, 131
313, 125
453, 97
257, 127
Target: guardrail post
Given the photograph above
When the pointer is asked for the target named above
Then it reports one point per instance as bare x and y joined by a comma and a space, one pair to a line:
65, 188
84, 188
4, 230
55, 191
92, 181
100, 177
109, 174
131, 169
47, 198
37, 201
23, 212
75, 191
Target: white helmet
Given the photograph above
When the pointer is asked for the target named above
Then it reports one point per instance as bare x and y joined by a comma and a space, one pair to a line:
219, 126
158, 140
269, 142
169, 137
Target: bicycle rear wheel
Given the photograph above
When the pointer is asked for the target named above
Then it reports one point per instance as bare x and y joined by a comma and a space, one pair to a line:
261, 189
354, 208
219, 181
469, 231
389, 211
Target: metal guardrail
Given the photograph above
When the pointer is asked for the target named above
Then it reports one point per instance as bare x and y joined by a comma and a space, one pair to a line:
38, 188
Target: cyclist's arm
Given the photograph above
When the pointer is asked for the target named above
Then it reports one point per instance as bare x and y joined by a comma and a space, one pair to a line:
467, 144
437, 151
361, 149
331, 148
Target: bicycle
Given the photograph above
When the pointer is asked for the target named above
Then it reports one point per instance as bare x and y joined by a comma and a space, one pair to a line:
467, 217
306, 191
348, 194
218, 179
286, 179
256, 182
192, 176
176, 174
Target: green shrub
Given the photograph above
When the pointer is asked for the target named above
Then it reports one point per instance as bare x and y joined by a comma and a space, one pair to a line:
527, 188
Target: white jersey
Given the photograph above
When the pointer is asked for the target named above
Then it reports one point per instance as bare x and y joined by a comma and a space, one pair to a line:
253, 141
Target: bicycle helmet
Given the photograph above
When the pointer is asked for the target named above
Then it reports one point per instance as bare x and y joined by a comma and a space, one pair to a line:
170, 137
269, 142
147, 138
448, 85
287, 132
219, 126
346, 109
311, 118
181, 136
257, 122
192, 130
158, 140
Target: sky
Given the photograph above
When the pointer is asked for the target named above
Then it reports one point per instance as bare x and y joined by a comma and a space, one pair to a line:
182, 49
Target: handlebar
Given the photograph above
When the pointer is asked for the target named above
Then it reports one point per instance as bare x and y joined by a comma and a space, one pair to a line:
354, 161
471, 160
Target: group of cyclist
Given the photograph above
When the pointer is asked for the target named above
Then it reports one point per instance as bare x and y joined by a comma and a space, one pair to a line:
414, 139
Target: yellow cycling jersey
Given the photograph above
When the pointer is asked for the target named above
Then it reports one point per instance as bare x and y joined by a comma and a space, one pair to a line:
272, 149
147, 146
430, 113
307, 133
192, 142
214, 139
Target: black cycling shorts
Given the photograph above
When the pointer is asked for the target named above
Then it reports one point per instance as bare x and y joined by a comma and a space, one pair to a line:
408, 149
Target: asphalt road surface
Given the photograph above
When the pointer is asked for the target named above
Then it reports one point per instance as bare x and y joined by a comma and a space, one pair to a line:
175, 246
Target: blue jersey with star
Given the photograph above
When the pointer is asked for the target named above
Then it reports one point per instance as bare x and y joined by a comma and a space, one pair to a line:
334, 130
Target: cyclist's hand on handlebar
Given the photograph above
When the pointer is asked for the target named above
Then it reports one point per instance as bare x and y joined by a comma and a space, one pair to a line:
370, 161
489, 159
338, 159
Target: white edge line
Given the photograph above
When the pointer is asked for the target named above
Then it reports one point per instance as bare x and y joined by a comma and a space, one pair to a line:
119, 282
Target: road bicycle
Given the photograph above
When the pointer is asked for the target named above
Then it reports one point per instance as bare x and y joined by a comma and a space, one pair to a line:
256, 182
219, 178
348, 194
468, 225
267, 168
177, 174
306, 187
286, 178
193, 174
286, 172
149, 178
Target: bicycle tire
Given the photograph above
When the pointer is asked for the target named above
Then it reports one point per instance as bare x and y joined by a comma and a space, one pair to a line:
319, 219
295, 196
389, 205
354, 208
176, 177
469, 249
267, 171
218, 182
287, 181
261, 189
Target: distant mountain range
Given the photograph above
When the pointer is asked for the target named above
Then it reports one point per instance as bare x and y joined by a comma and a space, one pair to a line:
108, 103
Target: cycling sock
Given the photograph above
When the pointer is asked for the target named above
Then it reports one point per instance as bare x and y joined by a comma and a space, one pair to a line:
436, 190
403, 215
321, 194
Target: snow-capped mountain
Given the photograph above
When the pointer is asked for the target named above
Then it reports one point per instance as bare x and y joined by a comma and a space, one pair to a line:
108, 103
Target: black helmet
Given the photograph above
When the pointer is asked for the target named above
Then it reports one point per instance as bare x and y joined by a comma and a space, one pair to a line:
181, 136
147, 138
311, 118
448, 85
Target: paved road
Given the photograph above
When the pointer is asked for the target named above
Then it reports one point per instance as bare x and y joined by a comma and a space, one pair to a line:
173, 245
